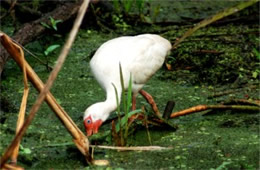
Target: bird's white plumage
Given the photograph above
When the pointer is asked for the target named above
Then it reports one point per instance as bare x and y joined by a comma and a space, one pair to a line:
141, 56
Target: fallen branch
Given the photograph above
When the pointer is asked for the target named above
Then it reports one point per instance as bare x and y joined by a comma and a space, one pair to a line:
200, 108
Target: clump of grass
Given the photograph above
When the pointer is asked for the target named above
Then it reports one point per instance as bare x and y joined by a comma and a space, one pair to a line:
121, 129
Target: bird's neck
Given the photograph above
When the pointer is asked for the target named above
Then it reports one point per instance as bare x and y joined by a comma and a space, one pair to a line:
103, 109
111, 99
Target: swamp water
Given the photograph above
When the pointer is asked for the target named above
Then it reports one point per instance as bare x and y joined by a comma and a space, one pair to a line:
224, 139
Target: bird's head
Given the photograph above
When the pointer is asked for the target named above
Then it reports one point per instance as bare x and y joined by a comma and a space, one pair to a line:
92, 126
94, 116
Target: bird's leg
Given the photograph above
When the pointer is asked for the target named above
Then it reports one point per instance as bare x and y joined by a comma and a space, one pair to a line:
133, 117
133, 102
151, 101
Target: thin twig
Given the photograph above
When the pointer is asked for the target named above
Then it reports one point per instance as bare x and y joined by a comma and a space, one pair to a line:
33, 55
132, 148
214, 18
146, 125
120, 148
242, 102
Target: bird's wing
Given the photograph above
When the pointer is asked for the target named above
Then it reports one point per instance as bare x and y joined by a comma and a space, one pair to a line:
105, 62
140, 55
150, 54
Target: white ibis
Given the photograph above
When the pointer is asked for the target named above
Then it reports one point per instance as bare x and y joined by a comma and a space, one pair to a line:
141, 56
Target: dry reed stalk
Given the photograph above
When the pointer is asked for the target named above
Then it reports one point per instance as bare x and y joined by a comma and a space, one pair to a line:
80, 139
132, 148
21, 114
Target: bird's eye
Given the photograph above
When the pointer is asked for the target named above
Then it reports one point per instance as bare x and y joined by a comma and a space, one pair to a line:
88, 121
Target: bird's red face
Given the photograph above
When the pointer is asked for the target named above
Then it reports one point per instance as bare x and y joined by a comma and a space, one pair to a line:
92, 127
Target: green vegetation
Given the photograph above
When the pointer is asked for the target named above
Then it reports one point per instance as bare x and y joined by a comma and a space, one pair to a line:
120, 133
53, 24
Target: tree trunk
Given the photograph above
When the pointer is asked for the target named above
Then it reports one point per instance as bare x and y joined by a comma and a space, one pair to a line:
30, 31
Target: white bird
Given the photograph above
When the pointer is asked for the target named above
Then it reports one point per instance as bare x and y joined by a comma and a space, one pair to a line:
140, 56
